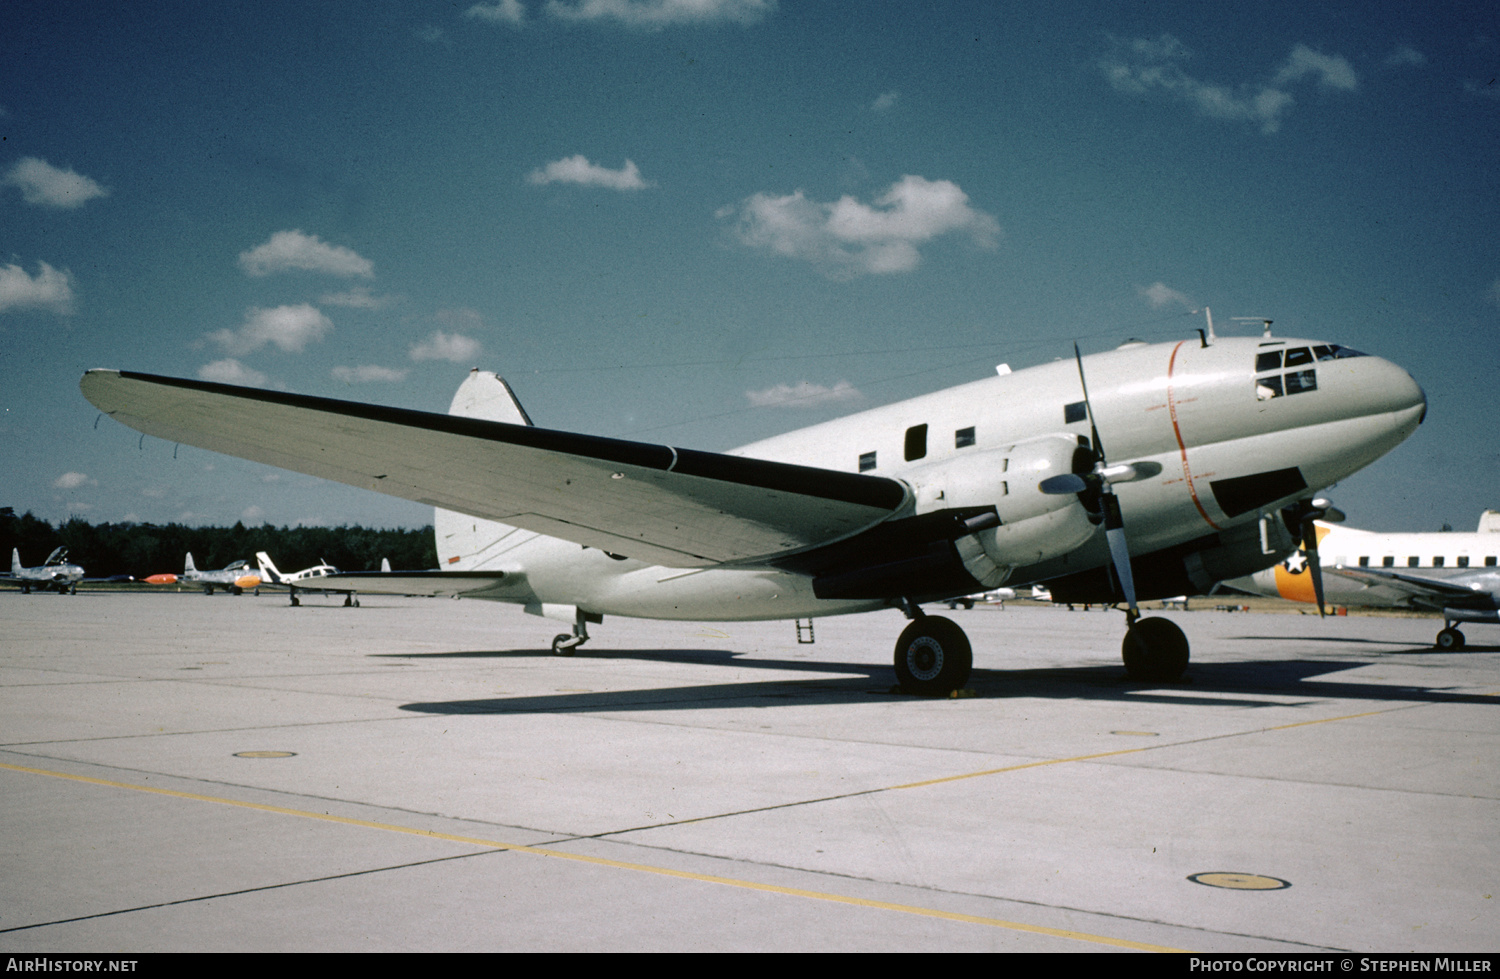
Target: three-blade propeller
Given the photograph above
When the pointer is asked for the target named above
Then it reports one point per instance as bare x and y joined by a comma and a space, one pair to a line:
1302, 517
1103, 477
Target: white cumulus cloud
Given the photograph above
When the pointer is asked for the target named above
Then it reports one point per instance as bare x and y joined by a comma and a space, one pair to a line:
511, 12
848, 237
1159, 294
50, 291
73, 480
1331, 70
662, 13
288, 251
453, 347
367, 373
1143, 66
803, 394
231, 371
578, 170
48, 186
289, 328
359, 297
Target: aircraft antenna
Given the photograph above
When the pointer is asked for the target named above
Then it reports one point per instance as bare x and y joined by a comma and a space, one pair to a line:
1263, 321
1209, 314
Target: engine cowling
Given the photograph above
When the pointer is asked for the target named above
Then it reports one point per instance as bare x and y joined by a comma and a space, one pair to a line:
1034, 526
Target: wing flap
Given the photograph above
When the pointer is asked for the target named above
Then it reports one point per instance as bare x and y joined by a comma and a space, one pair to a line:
676, 507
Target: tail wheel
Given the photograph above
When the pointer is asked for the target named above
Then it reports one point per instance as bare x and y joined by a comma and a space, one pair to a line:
565, 644
933, 657
1155, 649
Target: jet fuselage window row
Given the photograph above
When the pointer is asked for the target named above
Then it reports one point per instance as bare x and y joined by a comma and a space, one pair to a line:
1438, 561
916, 445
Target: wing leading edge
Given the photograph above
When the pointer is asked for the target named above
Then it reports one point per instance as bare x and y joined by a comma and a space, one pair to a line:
675, 507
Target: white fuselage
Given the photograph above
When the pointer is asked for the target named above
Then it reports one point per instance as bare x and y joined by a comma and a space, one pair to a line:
1226, 443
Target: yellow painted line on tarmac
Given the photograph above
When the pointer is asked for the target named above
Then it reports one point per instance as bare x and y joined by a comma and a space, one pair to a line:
617, 864
1134, 751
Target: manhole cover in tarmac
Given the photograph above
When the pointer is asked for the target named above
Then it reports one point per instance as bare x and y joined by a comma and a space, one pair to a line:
1240, 882
265, 754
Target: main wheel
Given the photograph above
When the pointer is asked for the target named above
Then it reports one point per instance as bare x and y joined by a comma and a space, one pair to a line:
1450, 640
933, 657
563, 644
1155, 649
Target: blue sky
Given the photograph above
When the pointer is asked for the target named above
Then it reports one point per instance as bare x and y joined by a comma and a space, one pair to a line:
702, 222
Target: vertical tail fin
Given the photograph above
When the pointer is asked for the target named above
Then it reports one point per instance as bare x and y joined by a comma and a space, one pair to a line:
15, 560
267, 567
188, 565
465, 542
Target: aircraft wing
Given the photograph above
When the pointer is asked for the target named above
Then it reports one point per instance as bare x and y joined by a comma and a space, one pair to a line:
1420, 589
475, 584
674, 507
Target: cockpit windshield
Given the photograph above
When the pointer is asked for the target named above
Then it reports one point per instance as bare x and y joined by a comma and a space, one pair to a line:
1276, 384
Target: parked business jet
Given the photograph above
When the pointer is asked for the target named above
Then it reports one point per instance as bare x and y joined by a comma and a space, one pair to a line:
234, 578
1209, 452
1452, 573
306, 581
55, 573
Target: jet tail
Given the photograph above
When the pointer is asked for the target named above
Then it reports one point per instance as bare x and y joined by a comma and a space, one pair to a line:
15, 560
188, 565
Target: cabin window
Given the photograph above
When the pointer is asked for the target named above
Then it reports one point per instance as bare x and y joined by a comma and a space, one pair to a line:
1411, 562
1489, 562
1364, 562
1437, 562
866, 461
1463, 560
1075, 412
963, 438
1388, 562
916, 442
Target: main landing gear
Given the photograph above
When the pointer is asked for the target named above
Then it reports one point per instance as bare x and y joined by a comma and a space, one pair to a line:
1154, 650
1450, 640
933, 656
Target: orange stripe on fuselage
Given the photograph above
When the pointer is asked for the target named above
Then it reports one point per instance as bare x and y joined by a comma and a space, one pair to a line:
1187, 472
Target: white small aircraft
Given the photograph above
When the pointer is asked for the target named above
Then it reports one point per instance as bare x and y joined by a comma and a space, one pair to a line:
235, 577
306, 580
1215, 450
1452, 573
55, 573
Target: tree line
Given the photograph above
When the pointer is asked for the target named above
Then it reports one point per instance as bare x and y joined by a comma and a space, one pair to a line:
142, 549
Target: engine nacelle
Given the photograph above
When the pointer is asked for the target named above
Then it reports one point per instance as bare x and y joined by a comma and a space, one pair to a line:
1034, 526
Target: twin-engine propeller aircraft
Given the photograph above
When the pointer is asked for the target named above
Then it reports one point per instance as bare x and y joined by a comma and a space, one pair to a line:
1215, 448
1451, 573
55, 573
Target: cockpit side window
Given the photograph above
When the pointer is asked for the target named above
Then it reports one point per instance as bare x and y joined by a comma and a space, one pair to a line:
1276, 385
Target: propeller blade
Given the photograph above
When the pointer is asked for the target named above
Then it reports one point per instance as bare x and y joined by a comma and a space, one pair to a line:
1064, 485
1114, 522
1314, 566
1119, 553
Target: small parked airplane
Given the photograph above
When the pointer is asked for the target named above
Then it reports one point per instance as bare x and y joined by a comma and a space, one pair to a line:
55, 573
1452, 573
1216, 448
305, 580
233, 578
